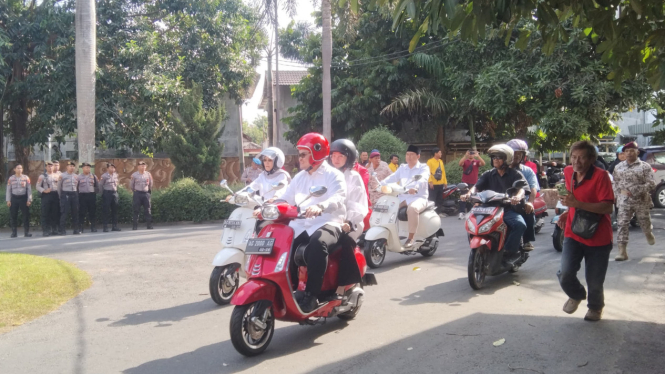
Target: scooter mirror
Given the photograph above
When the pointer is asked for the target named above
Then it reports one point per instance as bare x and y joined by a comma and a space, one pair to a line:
520, 183
462, 186
417, 177
278, 186
318, 191
223, 183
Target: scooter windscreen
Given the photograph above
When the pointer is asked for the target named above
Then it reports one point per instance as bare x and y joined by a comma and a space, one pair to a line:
488, 195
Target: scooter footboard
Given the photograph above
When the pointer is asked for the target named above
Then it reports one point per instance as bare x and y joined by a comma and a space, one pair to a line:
255, 290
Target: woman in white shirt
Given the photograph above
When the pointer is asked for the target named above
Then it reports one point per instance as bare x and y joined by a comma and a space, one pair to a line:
271, 161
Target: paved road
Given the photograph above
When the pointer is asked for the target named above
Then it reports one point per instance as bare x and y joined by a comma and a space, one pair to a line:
148, 311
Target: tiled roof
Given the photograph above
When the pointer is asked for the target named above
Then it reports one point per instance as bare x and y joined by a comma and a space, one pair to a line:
288, 78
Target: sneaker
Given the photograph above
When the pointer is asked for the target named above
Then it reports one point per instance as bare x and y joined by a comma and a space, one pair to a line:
571, 306
528, 247
308, 303
651, 239
408, 243
461, 216
593, 315
442, 215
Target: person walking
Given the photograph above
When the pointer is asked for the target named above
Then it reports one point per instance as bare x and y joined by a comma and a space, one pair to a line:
437, 178
364, 158
141, 184
470, 164
394, 163
620, 157
251, 173
19, 197
587, 229
108, 185
382, 171
88, 185
69, 200
633, 182
47, 186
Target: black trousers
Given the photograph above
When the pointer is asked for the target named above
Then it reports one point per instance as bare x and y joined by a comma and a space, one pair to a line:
316, 256
436, 195
110, 202
142, 199
50, 218
69, 203
87, 206
349, 273
19, 202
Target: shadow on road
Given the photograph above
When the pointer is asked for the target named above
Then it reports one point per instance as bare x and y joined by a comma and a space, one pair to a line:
163, 316
455, 291
212, 358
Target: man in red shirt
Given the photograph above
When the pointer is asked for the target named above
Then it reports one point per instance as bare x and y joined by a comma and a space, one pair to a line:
470, 164
589, 189
531, 164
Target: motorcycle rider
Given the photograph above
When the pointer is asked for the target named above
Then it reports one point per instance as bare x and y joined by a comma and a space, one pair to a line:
271, 161
520, 149
343, 157
416, 197
500, 179
325, 215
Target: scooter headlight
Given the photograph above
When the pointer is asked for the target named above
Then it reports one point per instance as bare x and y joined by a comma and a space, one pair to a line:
487, 226
386, 189
270, 212
241, 199
470, 226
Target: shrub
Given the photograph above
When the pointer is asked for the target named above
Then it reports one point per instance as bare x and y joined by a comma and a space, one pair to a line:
382, 139
454, 171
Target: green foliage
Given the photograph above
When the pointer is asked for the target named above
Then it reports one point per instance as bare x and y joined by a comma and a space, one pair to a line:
193, 145
454, 171
382, 139
257, 130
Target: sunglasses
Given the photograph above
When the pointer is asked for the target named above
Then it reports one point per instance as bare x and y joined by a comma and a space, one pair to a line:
303, 155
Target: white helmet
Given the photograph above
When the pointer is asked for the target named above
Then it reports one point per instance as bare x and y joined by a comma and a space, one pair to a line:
503, 151
518, 145
274, 154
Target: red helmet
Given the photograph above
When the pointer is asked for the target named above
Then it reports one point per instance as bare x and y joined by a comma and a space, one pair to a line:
317, 145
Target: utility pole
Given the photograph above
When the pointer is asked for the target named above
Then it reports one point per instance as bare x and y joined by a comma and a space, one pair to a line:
241, 153
326, 52
276, 108
270, 108
86, 63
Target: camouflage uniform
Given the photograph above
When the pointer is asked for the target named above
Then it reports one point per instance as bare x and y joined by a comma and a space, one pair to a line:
636, 178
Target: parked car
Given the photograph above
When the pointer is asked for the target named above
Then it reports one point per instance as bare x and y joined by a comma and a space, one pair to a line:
655, 156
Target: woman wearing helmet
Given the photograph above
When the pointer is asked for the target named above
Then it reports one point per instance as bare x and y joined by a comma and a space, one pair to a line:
271, 162
520, 150
500, 179
620, 157
325, 214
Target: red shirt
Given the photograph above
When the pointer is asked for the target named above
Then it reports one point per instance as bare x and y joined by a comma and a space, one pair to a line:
533, 166
473, 177
595, 188
364, 174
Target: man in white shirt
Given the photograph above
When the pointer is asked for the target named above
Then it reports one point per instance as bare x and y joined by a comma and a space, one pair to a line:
325, 215
416, 196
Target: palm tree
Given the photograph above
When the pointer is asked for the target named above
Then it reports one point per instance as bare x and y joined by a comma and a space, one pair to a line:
86, 63
326, 51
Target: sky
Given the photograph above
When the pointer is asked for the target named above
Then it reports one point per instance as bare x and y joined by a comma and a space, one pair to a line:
250, 109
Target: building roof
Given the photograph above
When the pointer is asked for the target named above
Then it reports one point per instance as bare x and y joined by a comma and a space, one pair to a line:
285, 78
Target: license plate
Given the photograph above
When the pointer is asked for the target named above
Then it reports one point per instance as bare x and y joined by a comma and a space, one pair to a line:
380, 208
231, 224
482, 210
259, 246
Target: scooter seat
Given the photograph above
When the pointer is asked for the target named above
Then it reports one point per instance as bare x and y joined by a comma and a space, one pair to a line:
401, 214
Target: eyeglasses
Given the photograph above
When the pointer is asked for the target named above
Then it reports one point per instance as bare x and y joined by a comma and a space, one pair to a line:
303, 155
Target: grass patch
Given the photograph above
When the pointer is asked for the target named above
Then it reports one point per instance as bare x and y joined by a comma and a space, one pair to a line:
31, 286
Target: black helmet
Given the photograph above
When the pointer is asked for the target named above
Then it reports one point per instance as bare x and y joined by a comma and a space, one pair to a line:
348, 149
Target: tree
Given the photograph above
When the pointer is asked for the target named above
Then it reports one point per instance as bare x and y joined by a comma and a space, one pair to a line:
629, 34
193, 146
326, 52
257, 130
380, 138
86, 63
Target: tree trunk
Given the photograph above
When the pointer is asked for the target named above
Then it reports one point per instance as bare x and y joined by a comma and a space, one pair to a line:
2, 143
472, 134
269, 108
441, 142
277, 125
86, 62
18, 122
327, 57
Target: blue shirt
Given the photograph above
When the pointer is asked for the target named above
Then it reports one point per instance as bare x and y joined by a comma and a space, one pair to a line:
530, 177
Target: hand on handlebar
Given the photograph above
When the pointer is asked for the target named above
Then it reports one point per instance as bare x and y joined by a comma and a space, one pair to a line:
528, 208
412, 191
228, 198
313, 211
346, 227
465, 196
256, 213
515, 200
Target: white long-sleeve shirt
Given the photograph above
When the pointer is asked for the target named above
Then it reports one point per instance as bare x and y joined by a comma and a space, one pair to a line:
334, 211
404, 174
356, 202
264, 183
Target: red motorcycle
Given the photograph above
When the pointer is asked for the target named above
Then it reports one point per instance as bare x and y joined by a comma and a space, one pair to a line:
540, 209
487, 235
268, 294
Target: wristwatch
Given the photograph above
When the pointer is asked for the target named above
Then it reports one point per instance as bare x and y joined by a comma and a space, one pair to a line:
320, 206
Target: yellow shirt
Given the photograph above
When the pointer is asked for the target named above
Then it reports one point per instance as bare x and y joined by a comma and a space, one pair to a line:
433, 165
393, 167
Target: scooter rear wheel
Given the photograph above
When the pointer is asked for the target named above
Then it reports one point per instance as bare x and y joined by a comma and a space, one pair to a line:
375, 252
221, 289
477, 266
247, 338
557, 239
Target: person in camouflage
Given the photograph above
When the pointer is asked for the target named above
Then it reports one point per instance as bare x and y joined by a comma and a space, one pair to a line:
633, 180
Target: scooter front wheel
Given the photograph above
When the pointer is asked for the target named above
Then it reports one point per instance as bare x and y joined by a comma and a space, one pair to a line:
557, 239
223, 285
250, 334
477, 267
375, 252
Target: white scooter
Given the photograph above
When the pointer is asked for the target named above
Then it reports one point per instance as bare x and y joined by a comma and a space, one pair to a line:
389, 228
230, 262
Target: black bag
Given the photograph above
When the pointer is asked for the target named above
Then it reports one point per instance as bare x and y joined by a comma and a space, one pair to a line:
469, 170
585, 223
438, 174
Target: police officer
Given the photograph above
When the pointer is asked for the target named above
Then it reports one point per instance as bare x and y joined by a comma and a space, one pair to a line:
109, 187
69, 200
87, 187
141, 184
56, 214
19, 196
47, 185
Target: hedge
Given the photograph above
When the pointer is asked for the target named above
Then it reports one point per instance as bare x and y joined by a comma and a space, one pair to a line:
454, 171
183, 200
382, 139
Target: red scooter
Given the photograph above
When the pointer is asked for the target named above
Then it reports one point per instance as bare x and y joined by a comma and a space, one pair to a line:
540, 209
268, 294
487, 235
